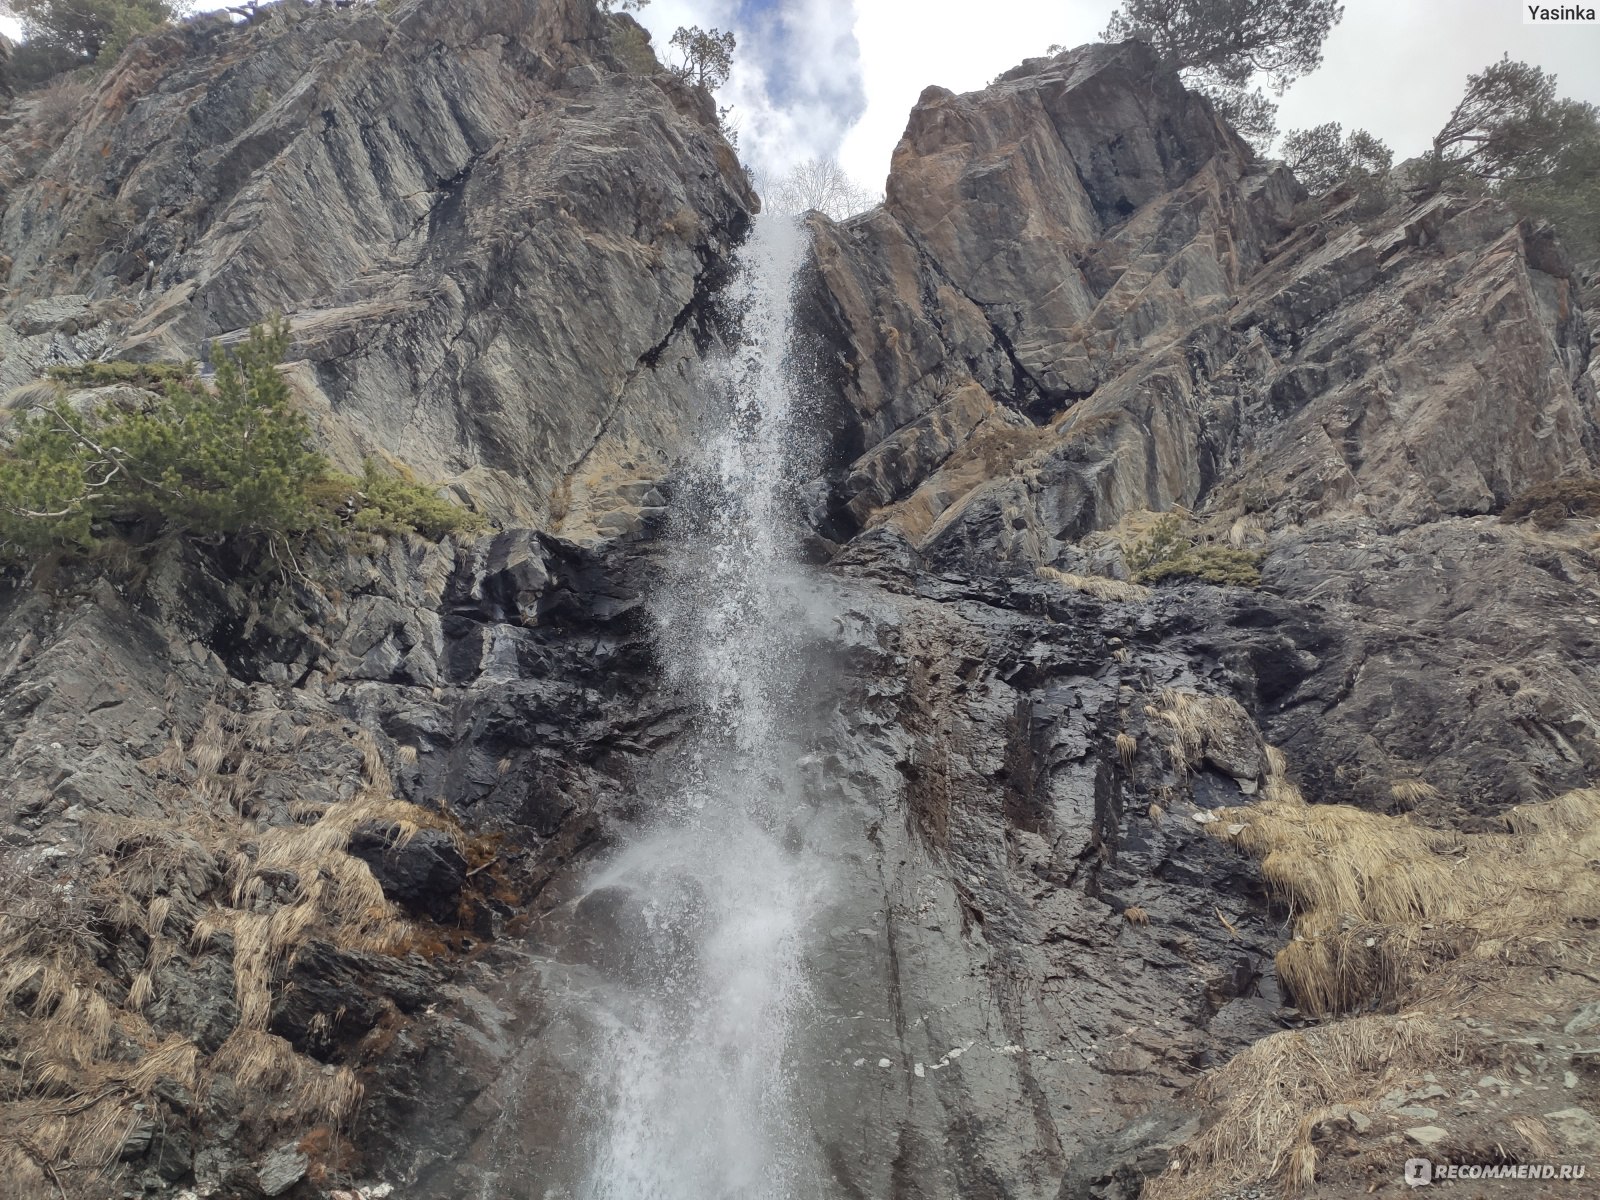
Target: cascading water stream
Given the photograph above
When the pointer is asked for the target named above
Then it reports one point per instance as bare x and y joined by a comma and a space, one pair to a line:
691, 1096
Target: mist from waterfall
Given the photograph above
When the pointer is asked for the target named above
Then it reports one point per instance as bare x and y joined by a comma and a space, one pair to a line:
692, 1094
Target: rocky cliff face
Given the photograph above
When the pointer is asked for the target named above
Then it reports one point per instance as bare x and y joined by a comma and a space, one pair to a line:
498, 235
451, 202
1082, 299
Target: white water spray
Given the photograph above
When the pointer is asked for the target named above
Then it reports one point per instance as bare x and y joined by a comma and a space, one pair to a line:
693, 1094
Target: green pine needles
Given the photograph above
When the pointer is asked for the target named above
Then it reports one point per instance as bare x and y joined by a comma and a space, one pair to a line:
231, 459
1168, 553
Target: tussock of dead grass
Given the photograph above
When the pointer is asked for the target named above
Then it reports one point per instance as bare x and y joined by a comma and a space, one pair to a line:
301, 1088
1127, 748
1266, 1102
1247, 532
1188, 720
83, 1114
1383, 906
1097, 586
1388, 914
1408, 793
86, 1054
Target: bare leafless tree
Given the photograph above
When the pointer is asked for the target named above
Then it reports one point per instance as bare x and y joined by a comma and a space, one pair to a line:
818, 184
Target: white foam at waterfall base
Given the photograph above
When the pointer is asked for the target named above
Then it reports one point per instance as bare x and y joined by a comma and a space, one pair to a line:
692, 1091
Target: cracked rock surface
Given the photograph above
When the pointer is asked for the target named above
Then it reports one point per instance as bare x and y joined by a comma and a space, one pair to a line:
499, 238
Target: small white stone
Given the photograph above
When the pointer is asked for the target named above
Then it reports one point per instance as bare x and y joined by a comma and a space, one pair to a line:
1427, 1135
919, 1072
860, 1062
885, 1063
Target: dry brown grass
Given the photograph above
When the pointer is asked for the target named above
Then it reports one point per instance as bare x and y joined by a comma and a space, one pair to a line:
1248, 532
1550, 503
1266, 1102
1135, 526
1389, 911
1127, 748
85, 1055
1135, 914
41, 393
1187, 720
1408, 793
306, 1090
1424, 925
1098, 586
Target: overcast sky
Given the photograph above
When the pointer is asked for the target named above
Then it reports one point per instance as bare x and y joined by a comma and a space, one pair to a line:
839, 76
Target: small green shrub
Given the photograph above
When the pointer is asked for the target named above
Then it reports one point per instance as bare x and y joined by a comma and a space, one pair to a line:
34, 64
390, 504
88, 31
231, 459
98, 226
155, 375
631, 44
1168, 552
1164, 541
44, 483
1219, 565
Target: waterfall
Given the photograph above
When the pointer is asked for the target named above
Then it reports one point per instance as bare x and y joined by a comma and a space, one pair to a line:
691, 1096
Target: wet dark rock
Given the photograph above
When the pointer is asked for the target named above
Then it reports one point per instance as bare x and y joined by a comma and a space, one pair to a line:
332, 996
1116, 1168
424, 874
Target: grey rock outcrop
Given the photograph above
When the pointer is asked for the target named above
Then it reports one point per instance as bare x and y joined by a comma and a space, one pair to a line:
494, 234
1084, 298
1084, 293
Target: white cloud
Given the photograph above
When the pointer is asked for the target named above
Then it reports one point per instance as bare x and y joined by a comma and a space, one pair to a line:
796, 82
843, 81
